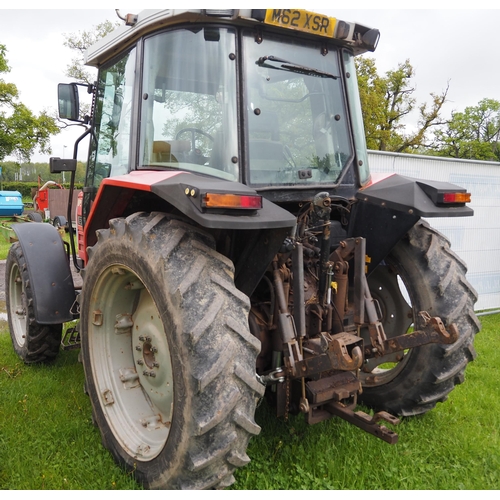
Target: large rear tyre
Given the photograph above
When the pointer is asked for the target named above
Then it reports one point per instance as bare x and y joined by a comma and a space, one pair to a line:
169, 360
32, 342
412, 382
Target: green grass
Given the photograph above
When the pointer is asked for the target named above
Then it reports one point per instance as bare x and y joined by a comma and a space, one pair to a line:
4, 249
5, 244
47, 440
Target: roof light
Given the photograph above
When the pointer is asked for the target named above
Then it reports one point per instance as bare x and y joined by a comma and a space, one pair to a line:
343, 30
370, 39
130, 19
234, 201
220, 12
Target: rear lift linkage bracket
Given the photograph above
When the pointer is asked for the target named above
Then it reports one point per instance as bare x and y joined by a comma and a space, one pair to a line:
343, 352
433, 332
368, 313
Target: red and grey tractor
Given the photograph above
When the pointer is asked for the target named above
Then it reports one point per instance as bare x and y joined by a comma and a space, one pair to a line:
232, 245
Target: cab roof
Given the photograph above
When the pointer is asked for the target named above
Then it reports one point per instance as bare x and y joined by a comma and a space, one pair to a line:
349, 34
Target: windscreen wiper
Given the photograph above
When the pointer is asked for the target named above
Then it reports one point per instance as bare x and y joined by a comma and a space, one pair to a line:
295, 68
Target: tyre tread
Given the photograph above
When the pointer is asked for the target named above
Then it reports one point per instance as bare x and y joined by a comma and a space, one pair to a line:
220, 350
42, 342
432, 371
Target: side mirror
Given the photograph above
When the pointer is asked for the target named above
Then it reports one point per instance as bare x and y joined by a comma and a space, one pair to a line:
58, 165
69, 103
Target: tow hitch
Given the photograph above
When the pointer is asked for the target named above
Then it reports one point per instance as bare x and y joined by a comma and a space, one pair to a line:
336, 394
366, 422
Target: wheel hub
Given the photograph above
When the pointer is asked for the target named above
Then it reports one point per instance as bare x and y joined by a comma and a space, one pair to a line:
148, 354
17, 305
139, 400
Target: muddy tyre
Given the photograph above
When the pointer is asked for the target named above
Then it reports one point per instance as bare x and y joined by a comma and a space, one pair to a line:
169, 360
434, 278
32, 342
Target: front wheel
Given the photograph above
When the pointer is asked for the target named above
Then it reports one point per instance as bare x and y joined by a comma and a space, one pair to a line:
169, 360
33, 343
412, 382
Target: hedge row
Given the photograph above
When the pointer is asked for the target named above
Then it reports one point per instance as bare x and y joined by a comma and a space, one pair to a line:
25, 188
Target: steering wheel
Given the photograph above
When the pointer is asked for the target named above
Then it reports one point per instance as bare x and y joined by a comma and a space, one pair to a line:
195, 156
193, 131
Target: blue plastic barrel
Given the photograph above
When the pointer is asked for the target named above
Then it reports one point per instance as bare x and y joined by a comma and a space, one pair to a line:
11, 203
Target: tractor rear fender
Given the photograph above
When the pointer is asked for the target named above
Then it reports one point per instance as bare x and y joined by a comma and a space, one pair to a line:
185, 192
49, 273
260, 232
388, 208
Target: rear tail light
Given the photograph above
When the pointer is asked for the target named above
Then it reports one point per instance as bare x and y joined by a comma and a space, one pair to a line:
235, 201
456, 198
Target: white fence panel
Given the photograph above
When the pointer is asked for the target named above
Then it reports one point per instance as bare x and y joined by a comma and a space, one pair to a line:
475, 239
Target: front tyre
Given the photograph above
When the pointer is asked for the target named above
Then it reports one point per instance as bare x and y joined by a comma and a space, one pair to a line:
32, 342
412, 382
169, 360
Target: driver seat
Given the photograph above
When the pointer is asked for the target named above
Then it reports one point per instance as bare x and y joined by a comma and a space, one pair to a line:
169, 151
266, 152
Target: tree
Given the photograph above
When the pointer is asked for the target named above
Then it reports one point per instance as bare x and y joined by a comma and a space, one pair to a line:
21, 132
387, 101
80, 42
471, 134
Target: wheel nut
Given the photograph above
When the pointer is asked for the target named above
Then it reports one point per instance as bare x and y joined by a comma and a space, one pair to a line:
138, 348
140, 362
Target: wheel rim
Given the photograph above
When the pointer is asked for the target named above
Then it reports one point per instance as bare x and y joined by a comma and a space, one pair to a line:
131, 364
17, 300
397, 317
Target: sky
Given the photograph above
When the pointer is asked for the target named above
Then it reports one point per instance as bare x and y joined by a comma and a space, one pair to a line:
455, 46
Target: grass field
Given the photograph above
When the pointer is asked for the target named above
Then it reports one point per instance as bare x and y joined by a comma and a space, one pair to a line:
4, 247
5, 244
48, 441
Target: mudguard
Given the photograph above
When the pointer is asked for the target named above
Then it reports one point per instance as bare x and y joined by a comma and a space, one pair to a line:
183, 191
261, 231
388, 208
412, 196
49, 273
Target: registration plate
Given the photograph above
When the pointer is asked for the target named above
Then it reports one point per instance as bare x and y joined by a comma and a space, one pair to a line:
301, 20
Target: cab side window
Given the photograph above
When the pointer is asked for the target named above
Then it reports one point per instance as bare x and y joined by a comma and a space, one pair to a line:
110, 149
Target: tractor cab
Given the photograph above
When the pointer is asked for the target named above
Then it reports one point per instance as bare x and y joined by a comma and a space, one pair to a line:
252, 96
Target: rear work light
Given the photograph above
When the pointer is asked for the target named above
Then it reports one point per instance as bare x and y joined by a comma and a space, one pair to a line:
456, 198
235, 201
